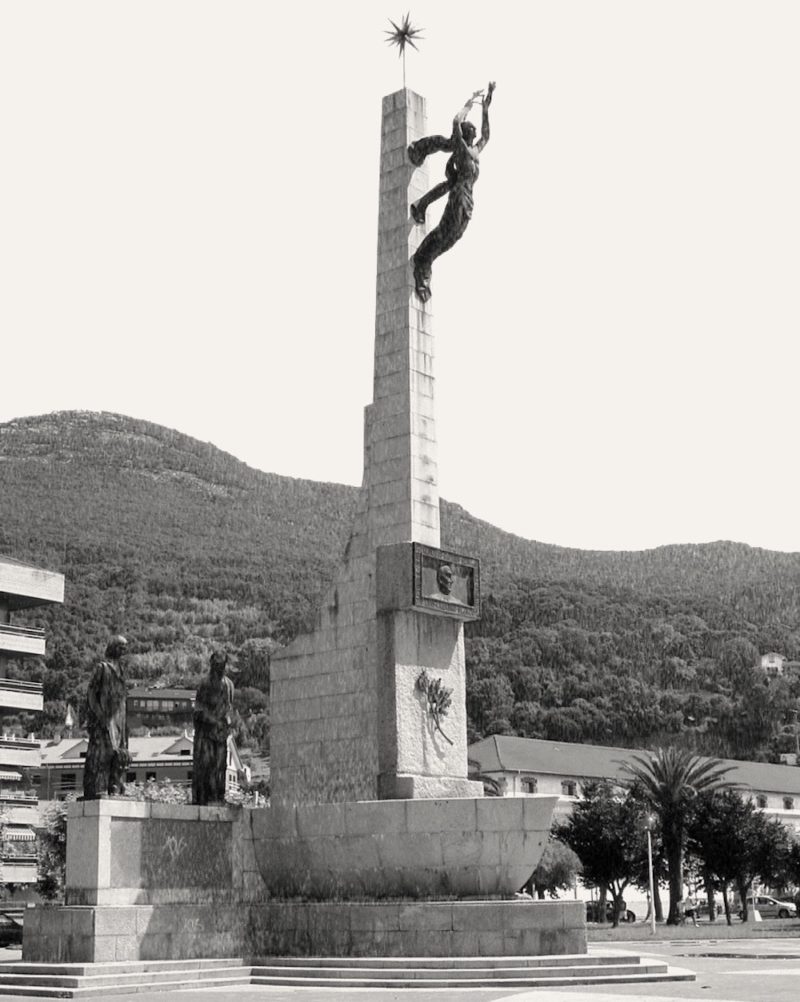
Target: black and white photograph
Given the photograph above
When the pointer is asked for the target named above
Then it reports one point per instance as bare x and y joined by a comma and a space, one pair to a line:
399, 564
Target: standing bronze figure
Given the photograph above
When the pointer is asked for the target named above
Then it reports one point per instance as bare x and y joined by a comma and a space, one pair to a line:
107, 756
461, 173
213, 721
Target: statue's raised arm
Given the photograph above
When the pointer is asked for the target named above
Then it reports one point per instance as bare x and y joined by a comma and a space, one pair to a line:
485, 117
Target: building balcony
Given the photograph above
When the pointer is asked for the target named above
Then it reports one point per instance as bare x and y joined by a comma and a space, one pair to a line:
19, 753
19, 695
13, 795
25, 586
22, 815
21, 640
19, 869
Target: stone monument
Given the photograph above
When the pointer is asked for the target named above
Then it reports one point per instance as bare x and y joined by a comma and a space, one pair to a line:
348, 719
375, 843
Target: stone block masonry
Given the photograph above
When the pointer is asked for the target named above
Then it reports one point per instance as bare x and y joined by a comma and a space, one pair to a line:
167, 882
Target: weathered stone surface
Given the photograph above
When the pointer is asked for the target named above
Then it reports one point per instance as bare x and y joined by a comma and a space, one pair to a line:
425, 929
404, 848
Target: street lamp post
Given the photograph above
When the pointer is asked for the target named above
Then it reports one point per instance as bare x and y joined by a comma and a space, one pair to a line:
649, 824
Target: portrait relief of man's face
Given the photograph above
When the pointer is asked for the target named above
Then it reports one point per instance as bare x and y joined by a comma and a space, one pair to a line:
444, 578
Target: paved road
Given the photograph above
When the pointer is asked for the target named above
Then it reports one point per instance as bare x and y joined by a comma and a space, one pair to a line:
742, 970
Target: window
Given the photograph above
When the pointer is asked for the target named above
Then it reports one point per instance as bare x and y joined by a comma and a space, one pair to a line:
67, 780
186, 751
761, 801
189, 775
529, 785
83, 754
568, 788
788, 803
130, 777
150, 775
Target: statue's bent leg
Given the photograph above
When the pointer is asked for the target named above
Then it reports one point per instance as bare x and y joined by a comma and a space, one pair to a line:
422, 148
419, 208
454, 221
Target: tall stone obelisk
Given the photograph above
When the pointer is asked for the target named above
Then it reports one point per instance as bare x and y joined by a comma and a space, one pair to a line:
349, 720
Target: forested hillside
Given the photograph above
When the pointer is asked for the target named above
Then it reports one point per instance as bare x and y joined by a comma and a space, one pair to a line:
181, 546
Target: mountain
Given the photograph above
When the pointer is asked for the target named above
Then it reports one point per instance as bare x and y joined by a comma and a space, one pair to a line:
181, 546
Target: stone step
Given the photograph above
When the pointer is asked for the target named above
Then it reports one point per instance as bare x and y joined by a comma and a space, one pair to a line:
106, 991
449, 963
565, 978
120, 966
75, 981
118, 978
411, 973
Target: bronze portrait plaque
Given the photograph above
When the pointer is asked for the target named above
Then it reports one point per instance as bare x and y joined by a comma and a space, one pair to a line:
446, 582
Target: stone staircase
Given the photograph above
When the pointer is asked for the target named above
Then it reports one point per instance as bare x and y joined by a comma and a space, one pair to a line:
103, 980
462, 972
85, 981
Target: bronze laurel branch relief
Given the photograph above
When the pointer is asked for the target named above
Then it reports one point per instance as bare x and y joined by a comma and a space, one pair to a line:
438, 697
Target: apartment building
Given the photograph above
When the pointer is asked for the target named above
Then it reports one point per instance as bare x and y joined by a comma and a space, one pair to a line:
22, 587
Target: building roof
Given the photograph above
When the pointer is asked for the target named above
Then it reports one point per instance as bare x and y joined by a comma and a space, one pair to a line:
503, 753
165, 746
142, 693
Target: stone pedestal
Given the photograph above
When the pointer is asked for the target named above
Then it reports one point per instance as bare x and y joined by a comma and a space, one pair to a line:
168, 882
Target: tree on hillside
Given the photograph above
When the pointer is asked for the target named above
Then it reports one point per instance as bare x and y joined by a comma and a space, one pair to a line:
490, 702
670, 781
605, 832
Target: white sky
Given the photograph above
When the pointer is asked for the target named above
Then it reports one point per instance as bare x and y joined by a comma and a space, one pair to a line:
188, 219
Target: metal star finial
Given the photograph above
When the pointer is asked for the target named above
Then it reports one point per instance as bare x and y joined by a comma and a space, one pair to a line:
401, 36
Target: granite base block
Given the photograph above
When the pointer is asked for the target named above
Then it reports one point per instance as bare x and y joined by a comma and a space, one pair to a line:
96, 934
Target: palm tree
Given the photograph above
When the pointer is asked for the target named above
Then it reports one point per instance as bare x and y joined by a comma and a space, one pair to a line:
669, 780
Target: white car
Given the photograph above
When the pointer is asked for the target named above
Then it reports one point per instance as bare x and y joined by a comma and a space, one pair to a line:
770, 907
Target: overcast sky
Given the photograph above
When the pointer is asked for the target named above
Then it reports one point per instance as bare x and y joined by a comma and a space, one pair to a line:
188, 220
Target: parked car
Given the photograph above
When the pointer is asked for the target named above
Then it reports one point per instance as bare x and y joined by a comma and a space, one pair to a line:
593, 912
770, 907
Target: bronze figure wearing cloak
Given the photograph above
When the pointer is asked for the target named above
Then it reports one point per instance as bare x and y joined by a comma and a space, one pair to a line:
213, 722
107, 755
461, 173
